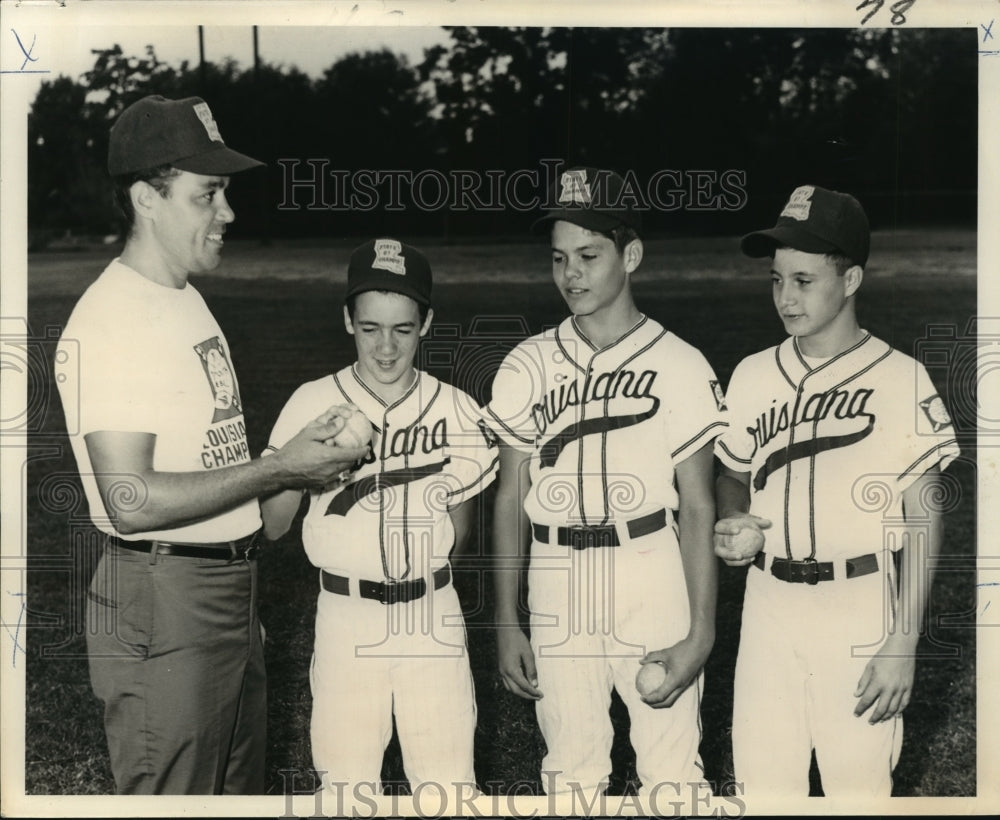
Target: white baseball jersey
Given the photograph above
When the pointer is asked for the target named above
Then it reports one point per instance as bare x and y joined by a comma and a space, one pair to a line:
376, 663
429, 454
604, 429
825, 444
830, 446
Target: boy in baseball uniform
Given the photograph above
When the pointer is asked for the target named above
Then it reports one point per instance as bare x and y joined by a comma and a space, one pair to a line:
606, 426
834, 444
390, 636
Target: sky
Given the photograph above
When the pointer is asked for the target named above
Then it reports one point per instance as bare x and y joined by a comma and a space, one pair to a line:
310, 48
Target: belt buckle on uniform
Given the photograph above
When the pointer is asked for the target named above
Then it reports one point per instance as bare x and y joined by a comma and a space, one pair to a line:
402, 591
811, 576
578, 536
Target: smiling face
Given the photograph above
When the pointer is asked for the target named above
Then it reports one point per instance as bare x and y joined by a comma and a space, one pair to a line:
592, 276
187, 225
386, 329
815, 303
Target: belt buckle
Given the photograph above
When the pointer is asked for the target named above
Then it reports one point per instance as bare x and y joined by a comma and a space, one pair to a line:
250, 552
812, 575
402, 591
578, 536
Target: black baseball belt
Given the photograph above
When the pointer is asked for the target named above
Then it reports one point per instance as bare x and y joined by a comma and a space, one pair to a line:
605, 535
242, 549
386, 592
809, 571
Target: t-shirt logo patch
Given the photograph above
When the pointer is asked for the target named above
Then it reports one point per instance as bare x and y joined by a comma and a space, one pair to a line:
575, 188
205, 115
389, 257
219, 372
799, 203
936, 412
720, 398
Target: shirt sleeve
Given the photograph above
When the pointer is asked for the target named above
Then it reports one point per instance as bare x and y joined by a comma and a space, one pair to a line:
935, 442
698, 415
735, 446
474, 453
299, 410
515, 393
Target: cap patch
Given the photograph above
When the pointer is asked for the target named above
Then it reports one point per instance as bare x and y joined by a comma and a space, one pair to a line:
575, 187
389, 256
205, 115
799, 203
937, 413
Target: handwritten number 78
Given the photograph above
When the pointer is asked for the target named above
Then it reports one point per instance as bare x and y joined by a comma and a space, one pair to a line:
898, 10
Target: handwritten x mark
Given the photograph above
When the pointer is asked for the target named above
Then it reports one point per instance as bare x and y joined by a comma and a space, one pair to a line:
27, 52
987, 31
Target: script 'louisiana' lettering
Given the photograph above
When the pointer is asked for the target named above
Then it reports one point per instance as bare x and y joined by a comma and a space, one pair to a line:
406, 441
620, 383
840, 404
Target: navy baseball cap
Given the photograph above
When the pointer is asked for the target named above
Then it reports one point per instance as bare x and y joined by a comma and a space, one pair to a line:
816, 220
388, 264
156, 131
593, 199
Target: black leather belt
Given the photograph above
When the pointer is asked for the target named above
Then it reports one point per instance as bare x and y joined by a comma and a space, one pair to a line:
810, 571
243, 549
605, 535
399, 592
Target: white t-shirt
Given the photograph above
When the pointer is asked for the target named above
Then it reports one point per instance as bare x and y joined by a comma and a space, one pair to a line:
152, 359
430, 452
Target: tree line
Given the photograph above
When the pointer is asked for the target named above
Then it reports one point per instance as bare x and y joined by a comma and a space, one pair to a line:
716, 126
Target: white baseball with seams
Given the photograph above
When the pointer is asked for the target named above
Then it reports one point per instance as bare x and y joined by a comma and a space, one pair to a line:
357, 431
650, 678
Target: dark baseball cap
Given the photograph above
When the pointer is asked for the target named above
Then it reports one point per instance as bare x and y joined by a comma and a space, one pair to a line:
156, 131
593, 199
388, 264
816, 220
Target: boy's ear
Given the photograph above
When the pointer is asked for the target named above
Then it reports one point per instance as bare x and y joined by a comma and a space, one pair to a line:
427, 322
632, 255
348, 324
852, 279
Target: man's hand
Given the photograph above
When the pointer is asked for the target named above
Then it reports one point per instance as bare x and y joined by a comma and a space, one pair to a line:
887, 681
683, 661
309, 461
517, 662
739, 538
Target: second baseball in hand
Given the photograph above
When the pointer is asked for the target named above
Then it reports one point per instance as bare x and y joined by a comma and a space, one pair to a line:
650, 678
748, 541
357, 431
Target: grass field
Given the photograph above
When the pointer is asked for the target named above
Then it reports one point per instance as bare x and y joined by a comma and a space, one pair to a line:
279, 305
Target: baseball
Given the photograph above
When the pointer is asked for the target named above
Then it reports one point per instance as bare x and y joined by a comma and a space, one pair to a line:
357, 431
650, 678
748, 541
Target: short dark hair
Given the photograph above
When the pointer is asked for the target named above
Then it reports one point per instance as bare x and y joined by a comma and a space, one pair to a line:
351, 300
159, 177
841, 262
621, 235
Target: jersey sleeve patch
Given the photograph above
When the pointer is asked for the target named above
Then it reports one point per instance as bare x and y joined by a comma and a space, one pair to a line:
936, 412
720, 398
